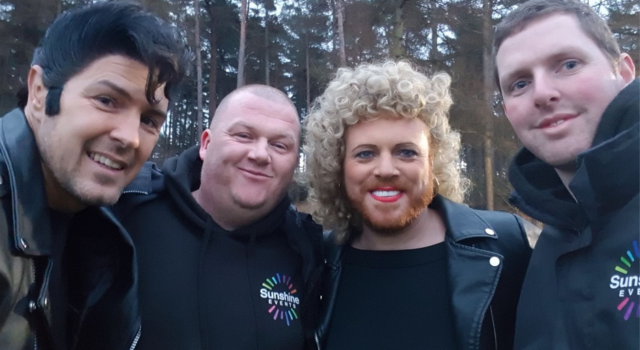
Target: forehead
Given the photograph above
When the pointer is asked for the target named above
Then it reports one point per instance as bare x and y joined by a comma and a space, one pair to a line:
540, 38
386, 130
126, 74
115, 66
260, 113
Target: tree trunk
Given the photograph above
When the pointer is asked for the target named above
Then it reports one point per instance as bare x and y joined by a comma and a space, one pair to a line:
488, 101
266, 47
397, 44
213, 64
198, 67
335, 38
308, 73
340, 16
433, 53
213, 73
243, 38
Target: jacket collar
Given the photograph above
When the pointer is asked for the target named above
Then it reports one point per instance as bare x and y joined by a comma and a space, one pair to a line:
461, 221
32, 234
607, 177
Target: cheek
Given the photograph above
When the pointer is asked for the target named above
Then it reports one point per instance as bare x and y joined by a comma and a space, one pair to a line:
518, 115
147, 143
586, 90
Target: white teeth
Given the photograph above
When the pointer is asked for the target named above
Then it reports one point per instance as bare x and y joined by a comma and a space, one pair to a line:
385, 193
105, 161
557, 122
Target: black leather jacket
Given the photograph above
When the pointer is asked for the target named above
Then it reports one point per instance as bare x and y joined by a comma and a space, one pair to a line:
484, 296
110, 318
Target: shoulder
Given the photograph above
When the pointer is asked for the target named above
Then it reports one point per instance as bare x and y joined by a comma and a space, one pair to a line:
302, 226
145, 187
512, 232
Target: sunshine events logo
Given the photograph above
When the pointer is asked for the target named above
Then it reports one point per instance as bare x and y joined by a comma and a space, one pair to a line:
626, 283
280, 293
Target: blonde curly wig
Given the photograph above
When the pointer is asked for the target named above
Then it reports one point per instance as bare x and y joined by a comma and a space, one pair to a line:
363, 93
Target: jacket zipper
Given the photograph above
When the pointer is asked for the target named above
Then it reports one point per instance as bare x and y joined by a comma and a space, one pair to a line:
136, 339
493, 323
35, 330
134, 191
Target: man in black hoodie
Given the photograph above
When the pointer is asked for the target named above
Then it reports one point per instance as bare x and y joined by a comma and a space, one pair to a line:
225, 261
573, 102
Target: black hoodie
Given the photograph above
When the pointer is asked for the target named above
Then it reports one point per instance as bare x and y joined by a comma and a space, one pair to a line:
203, 287
582, 288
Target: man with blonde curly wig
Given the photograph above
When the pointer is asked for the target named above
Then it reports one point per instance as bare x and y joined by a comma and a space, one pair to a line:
414, 267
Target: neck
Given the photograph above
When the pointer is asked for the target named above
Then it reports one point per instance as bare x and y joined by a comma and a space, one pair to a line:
57, 198
426, 230
228, 216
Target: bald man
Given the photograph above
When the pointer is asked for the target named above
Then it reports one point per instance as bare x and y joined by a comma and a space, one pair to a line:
225, 261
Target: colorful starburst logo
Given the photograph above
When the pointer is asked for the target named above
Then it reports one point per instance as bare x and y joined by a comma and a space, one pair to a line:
282, 298
627, 281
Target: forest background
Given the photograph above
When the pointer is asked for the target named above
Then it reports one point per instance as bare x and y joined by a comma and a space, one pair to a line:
297, 46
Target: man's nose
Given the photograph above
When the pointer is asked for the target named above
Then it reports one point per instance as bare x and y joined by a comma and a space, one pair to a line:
260, 152
126, 130
386, 166
545, 91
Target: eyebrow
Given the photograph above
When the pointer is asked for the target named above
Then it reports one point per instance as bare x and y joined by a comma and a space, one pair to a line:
125, 94
405, 144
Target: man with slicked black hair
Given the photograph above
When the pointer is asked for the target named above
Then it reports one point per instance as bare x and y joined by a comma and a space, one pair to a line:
98, 92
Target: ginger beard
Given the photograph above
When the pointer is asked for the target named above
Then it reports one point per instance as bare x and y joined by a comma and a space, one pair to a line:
393, 225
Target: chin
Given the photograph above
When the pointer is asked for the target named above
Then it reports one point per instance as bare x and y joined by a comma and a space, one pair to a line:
387, 228
250, 204
99, 197
386, 224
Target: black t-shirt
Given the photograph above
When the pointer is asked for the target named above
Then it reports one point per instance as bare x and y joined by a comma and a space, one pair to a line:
393, 300
58, 278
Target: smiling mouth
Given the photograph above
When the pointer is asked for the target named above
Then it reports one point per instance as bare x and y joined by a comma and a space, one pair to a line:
385, 193
102, 160
255, 173
559, 121
556, 123
386, 196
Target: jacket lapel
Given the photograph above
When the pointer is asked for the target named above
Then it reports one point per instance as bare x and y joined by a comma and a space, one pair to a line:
473, 273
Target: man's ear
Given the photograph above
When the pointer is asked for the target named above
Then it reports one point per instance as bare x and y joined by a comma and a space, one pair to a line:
37, 93
205, 139
626, 68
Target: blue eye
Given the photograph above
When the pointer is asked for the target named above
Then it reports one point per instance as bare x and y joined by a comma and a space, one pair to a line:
364, 154
569, 65
407, 153
518, 85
